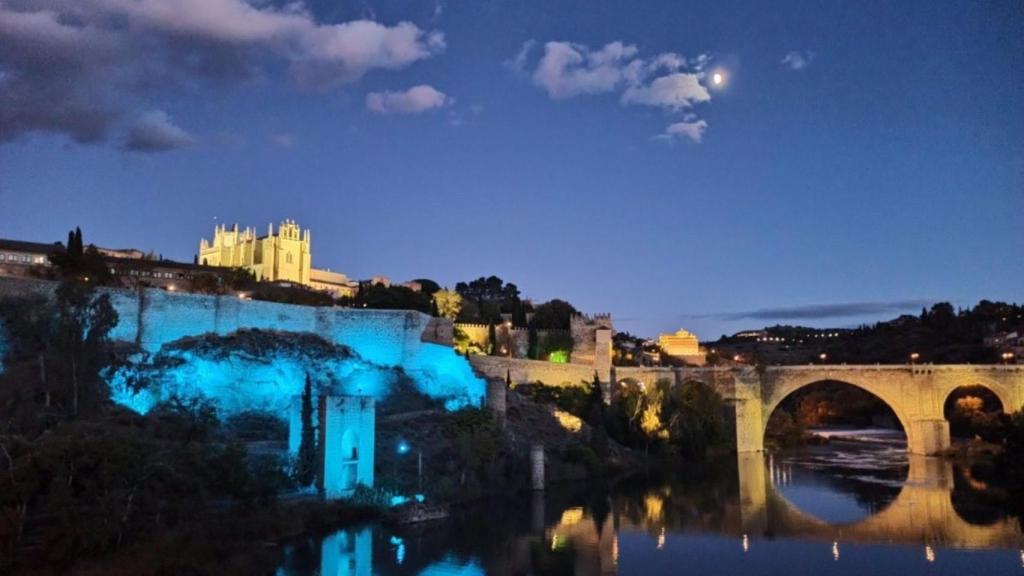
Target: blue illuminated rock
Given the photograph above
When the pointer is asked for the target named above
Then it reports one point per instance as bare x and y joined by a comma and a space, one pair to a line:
265, 370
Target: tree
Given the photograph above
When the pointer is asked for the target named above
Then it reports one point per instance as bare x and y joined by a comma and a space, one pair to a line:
427, 286
79, 263
305, 468
553, 315
78, 345
449, 304
532, 350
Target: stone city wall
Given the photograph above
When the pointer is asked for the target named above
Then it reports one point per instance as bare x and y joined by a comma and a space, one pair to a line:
516, 339
523, 371
153, 317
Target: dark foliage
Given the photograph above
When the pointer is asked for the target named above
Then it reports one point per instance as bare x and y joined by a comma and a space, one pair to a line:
290, 294
305, 467
553, 315
381, 297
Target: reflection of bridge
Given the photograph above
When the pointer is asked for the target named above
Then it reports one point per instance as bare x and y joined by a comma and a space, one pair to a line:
922, 513
916, 394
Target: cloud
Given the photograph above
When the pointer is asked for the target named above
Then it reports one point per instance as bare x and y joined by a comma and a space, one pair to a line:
693, 130
517, 63
154, 132
824, 311
675, 91
566, 70
668, 80
415, 100
74, 67
797, 60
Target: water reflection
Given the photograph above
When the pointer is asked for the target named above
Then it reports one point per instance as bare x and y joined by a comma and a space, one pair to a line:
879, 513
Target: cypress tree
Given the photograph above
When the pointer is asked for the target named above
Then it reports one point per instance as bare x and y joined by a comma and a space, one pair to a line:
531, 339
79, 248
305, 469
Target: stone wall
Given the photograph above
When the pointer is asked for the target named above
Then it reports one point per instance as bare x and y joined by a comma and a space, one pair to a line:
509, 338
524, 371
152, 318
584, 330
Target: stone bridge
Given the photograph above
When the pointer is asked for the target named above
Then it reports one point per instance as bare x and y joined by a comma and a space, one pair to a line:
916, 393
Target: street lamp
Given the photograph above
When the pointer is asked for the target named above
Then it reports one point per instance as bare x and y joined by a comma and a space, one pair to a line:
1007, 357
914, 356
822, 357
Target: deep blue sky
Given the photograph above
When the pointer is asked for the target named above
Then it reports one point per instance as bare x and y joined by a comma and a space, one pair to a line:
886, 171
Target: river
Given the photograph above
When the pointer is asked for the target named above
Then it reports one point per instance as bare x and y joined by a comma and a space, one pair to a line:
842, 508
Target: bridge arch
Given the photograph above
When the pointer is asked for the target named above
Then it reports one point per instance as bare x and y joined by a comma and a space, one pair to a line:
1004, 396
974, 410
779, 394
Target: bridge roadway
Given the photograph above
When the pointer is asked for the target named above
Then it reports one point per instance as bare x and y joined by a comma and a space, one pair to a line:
916, 393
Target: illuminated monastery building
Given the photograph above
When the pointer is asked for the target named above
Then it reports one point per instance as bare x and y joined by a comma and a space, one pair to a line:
282, 257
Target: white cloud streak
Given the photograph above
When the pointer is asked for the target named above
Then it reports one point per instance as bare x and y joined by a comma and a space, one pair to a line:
415, 100
797, 60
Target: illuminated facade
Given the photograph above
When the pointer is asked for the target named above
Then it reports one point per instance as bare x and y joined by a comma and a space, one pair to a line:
681, 344
285, 256
275, 257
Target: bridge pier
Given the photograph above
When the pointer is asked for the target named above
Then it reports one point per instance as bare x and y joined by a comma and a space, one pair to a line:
928, 437
750, 414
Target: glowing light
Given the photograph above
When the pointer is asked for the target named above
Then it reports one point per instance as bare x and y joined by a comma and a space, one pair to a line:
450, 566
717, 78
559, 356
571, 517
403, 447
569, 422
835, 551
746, 544
399, 545
929, 553
661, 539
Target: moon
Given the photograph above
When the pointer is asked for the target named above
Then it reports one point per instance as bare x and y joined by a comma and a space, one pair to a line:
717, 78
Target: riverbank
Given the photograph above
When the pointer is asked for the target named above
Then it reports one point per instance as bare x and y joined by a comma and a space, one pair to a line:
469, 457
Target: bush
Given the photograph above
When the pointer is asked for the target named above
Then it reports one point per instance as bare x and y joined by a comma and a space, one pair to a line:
255, 426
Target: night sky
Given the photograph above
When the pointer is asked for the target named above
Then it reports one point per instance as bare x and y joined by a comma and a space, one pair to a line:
859, 159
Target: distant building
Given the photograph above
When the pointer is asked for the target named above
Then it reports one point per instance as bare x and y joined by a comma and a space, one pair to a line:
166, 274
285, 256
335, 283
19, 258
682, 345
130, 253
